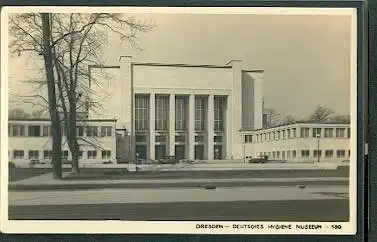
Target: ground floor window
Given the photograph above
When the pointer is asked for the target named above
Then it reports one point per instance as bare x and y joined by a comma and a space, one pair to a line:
293, 154
106, 154
47, 154
305, 153
283, 154
33, 154
288, 154
340, 153
18, 154
92, 154
64, 154
317, 153
329, 153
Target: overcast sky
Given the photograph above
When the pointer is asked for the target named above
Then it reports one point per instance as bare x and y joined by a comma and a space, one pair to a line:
306, 58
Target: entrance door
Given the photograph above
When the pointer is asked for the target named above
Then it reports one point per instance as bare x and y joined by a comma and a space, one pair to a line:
160, 152
141, 150
218, 150
199, 152
180, 152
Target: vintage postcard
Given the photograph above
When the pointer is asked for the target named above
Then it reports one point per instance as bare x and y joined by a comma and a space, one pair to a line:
178, 120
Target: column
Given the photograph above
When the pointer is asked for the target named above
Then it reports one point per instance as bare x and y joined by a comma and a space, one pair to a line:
191, 127
172, 124
152, 134
210, 126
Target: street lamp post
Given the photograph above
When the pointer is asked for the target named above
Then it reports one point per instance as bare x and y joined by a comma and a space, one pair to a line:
318, 136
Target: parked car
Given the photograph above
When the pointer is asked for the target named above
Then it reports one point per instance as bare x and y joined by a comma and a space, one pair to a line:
261, 159
169, 160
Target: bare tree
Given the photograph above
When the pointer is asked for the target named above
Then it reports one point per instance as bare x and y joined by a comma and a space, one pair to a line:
288, 120
15, 113
76, 43
55, 121
271, 117
340, 119
321, 114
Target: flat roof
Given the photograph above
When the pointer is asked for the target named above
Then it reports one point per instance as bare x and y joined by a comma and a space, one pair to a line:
46, 119
297, 123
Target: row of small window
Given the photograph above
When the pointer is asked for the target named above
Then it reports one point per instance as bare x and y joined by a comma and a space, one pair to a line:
178, 138
304, 133
47, 154
306, 154
17, 130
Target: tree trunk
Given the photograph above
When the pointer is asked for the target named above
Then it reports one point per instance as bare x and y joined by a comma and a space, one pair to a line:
74, 146
54, 115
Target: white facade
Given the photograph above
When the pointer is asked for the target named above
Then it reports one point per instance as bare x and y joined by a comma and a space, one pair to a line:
300, 142
30, 139
151, 101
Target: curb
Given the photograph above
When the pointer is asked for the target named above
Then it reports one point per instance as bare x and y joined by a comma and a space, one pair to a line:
83, 186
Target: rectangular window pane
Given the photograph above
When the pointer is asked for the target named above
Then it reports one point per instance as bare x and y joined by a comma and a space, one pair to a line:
200, 109
199, 138
328, 132
141, 138
34, 130
340, 132
161, 113
180, 138
316, 132
142, 112
180, 113
304, 132
18, 154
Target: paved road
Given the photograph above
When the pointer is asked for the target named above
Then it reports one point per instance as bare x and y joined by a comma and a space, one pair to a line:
330, 210
256, 203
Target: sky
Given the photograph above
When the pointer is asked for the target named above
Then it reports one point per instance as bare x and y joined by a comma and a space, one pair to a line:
306, 58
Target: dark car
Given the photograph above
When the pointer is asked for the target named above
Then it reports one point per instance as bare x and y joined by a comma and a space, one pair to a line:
169, 160
261, 159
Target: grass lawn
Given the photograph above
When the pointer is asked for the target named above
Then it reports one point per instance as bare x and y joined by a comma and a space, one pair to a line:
18, 174
118, 173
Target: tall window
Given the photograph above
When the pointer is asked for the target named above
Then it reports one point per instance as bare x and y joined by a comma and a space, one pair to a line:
304, 132
141, 112
46, 130
34, 130
316, 132
349, 133
289, 133
180, 113
340, 132
105, 131
161, 113
219, 113
92, 131
328, 132
200, 113
18, 130
283, 133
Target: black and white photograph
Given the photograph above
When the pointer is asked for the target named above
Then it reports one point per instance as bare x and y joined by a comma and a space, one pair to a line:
178, 120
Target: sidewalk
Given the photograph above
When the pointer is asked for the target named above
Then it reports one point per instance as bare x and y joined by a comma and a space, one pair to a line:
46, 182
